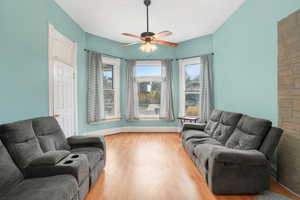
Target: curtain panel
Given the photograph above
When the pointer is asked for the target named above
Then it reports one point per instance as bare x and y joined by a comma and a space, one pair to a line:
95, 88
132, 92
206, 87
166, 102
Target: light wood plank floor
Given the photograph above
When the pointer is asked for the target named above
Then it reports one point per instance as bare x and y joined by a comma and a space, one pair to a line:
153, 166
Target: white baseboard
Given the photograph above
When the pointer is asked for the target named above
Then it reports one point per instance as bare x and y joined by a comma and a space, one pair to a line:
136, 129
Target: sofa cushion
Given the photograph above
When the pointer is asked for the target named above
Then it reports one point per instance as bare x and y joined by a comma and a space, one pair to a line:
62, 187
188, 134
192, 143
94, 154
9, 172
271, 141
226, 126
21, 142
212, 122
49, 134
249, 133
203, 153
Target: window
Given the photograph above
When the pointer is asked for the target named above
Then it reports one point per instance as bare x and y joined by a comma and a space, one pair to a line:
149, 76
111, 87
190, 70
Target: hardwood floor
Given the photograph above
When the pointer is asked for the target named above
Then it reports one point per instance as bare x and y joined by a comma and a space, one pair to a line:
154, 166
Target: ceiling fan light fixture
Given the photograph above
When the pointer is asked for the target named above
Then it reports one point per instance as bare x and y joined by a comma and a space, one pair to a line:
148, 38
148, 47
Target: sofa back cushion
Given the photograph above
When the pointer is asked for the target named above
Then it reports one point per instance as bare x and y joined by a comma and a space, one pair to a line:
49, 134
9, 172
21, 142
226, 126
213, 122
249, 133
271, 141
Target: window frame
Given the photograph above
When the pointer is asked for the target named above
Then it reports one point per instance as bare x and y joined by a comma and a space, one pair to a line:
115, 62
182, 85
140, 79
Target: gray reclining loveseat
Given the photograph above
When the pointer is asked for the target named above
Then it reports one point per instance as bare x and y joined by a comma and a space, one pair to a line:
37, 162
232, 151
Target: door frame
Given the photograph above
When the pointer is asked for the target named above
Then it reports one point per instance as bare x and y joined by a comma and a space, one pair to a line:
54, 33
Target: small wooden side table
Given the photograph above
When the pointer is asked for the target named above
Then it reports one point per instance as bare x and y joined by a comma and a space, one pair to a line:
188, 119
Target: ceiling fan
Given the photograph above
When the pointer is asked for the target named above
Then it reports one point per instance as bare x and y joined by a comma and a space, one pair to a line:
150, 38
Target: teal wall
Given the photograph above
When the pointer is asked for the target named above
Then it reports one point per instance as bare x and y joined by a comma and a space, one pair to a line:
24, 61
195, 47
246, 58
24, 55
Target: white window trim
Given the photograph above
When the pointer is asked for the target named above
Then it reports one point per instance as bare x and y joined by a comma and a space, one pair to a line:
116, 76
182, 64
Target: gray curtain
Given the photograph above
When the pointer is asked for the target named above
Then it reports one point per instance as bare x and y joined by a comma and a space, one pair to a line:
132, 92
166, 102
206, 88
95, 88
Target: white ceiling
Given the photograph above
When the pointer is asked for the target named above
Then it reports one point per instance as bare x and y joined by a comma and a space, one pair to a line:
187, 19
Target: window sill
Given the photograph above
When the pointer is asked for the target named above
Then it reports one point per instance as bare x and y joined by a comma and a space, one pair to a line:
148, 119
105, 121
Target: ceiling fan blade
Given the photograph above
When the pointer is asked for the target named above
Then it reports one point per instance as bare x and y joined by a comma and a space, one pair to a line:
165, 43
130, 44
132, 35
163, 34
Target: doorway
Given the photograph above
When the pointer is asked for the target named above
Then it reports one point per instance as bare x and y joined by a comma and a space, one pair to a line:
63, 81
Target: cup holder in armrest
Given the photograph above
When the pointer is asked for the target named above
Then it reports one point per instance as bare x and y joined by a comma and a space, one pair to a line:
68, 162
75, 156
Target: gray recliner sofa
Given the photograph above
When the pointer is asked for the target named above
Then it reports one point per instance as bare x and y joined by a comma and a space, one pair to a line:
232, 151
36, 159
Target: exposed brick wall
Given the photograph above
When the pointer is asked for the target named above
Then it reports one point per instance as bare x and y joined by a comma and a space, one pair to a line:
289, 101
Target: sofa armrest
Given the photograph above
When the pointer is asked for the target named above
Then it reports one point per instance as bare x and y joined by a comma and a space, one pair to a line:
86, 141
50, 158
198, 126
232, 171
243, 157
73, 164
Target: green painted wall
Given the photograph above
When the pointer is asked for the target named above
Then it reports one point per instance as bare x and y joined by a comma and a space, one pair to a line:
195, 47
246, 58
24, 55
24, 61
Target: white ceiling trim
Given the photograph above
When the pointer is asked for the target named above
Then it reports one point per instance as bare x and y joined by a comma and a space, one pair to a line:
187, 19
